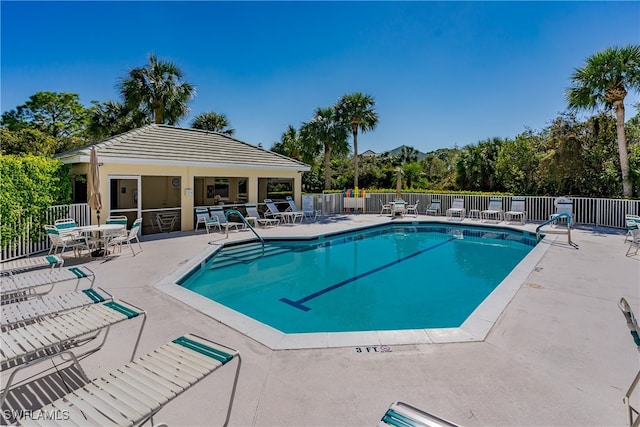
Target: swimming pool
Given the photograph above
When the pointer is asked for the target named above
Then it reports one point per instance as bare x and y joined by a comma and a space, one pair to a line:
392, 277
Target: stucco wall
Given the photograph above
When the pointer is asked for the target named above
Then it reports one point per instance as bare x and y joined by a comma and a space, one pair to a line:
186, 175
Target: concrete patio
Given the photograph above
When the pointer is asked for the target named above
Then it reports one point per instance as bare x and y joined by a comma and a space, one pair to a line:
560, 354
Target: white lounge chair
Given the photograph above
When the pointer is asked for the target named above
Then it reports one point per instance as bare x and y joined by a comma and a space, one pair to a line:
402, 414
296, 213
19, 313
24, 346
218, 213
564, 209
39, 283
273, 212
128, 238
435, 207
456, 210
133, 394
254, 215
385, 208
494, 211
413, 209
203, 217
51, 334
31, 263
517, 210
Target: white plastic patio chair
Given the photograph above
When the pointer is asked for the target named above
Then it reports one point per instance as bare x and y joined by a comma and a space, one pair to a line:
252, 213
62, 241
413, 209
564, 206
456, 210
634, 229
203, 217
128, 238
435, 207
385, 208
494, 211
218, 213
517, 210
631, 221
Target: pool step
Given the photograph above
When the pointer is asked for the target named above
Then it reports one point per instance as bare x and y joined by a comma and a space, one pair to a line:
244, 255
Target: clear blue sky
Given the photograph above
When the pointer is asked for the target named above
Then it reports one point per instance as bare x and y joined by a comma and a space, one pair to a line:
442, 73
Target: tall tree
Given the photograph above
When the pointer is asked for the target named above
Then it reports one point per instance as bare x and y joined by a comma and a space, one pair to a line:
356, 111
214, 122
27, 141
59, 115
325, 132
605, 80
158, 89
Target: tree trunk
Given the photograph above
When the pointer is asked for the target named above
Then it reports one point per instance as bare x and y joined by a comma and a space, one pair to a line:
327, 167
355, 157
627, 186
157, 112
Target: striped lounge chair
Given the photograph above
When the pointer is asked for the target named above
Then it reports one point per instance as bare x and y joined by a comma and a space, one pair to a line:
29, 310
51, 336
24, 264
26, 285
133, 394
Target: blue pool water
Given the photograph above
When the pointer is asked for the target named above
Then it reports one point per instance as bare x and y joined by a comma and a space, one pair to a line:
383, 278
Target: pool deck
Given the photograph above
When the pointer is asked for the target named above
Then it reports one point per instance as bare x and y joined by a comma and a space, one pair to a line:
560, 353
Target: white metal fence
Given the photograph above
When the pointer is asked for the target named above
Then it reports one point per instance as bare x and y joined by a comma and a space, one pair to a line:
587, 211
25, 245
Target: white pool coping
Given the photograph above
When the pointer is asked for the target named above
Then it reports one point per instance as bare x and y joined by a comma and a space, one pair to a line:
474, 328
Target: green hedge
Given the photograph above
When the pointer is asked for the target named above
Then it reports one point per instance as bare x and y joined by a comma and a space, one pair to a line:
29, 185
422, 191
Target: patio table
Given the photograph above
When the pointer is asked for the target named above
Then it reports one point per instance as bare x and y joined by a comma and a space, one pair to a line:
100, 233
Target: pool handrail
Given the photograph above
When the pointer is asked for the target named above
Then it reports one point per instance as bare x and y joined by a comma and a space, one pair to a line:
553, 219
244, 220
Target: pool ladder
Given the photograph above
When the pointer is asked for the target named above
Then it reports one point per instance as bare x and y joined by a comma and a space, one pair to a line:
554, 219
244, 220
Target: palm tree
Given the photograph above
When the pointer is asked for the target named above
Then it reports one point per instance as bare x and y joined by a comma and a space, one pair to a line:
214, 122
158, 90
290, 145
113, 118
356, 112
324, 131
604, 80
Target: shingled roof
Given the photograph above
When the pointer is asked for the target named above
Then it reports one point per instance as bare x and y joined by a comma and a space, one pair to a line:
170, 145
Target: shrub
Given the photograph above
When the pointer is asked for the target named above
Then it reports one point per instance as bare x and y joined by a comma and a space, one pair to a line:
29, 185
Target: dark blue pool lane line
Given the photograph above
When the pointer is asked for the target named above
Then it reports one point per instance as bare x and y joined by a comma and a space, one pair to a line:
299, 303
